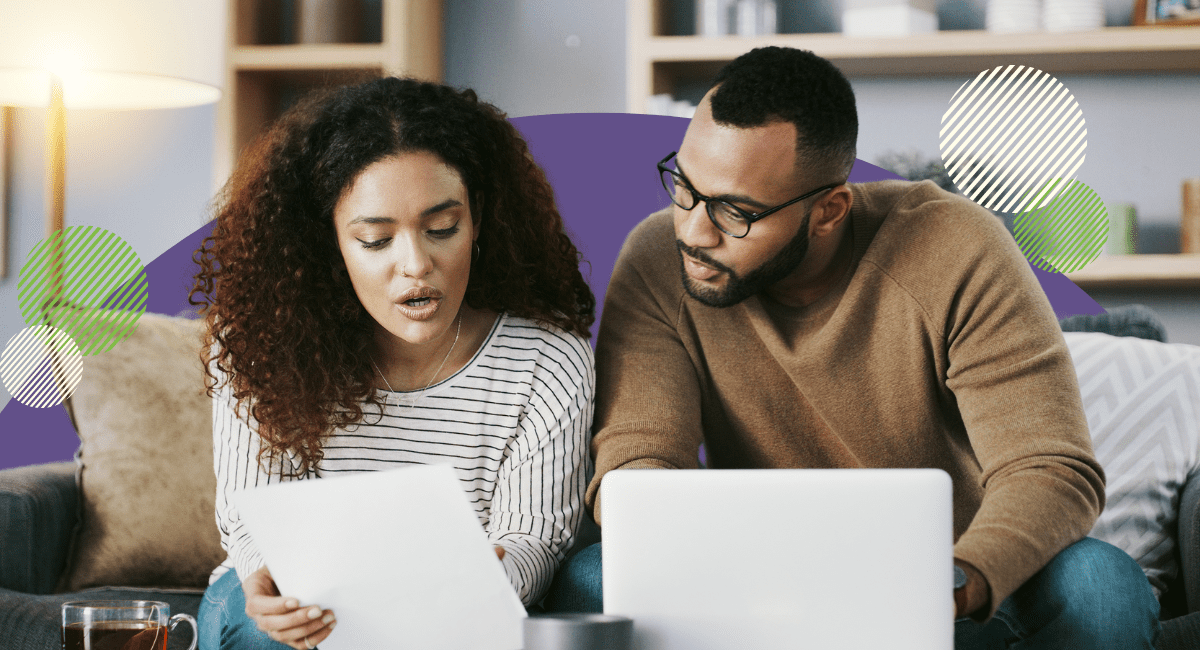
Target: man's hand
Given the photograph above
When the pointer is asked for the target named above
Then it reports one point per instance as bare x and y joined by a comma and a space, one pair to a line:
972, 597
281, 617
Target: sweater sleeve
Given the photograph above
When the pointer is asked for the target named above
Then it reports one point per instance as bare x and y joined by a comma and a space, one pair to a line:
235, 461
648, 410
538, 502
1017, 392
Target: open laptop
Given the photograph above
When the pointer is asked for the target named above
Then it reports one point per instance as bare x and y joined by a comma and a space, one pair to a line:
780, 559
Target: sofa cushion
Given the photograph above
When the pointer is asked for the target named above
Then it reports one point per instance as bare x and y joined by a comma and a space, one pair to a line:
146, 469
1142, 400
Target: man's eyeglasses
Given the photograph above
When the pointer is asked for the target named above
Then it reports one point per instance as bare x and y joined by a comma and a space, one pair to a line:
727, 217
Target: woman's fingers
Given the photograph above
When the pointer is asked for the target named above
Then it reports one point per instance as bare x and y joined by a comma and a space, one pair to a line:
307, 618
315, 631
257, 606
281, 617
319, 636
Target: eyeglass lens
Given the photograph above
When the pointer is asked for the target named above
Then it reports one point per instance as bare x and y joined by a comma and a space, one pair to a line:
723, 215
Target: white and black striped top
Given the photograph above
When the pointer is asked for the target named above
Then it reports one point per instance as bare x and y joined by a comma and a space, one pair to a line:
514, 423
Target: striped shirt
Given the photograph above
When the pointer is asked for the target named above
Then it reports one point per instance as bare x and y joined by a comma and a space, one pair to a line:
514, 422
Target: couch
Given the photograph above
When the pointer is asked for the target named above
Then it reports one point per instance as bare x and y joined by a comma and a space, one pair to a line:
133, 517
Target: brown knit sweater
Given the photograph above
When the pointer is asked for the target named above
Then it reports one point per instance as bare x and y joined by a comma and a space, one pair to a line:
937, 349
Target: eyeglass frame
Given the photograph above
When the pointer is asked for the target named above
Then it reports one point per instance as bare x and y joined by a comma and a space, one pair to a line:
750, 217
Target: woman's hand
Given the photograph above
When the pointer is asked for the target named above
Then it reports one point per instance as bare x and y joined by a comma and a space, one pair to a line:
281, 617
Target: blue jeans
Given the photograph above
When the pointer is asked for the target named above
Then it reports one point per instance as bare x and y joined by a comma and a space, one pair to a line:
223, 621
1091, 595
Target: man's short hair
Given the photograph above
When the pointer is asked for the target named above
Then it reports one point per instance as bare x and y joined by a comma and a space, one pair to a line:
770, 84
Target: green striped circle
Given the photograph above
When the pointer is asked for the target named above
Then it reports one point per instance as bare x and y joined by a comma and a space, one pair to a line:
1067, 231
86, 281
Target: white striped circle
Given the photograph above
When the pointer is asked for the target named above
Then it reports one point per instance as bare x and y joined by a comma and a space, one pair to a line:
41, 366
1007, 133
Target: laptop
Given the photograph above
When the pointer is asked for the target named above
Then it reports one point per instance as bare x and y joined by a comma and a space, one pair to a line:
781, 558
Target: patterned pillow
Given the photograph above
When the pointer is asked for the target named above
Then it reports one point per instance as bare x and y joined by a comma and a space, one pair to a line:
1142, 400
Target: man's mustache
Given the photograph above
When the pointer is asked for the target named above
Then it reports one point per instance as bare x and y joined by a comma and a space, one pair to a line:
702, 257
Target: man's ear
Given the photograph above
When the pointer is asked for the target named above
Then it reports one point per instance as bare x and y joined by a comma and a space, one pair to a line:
831, 210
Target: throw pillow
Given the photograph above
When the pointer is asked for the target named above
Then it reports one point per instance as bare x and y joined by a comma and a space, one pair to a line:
146, 464
1142, 400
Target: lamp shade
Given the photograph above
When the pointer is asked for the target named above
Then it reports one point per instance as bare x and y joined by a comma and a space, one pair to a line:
112, 54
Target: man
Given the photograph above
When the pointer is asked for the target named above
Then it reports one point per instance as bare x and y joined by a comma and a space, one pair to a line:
785, 318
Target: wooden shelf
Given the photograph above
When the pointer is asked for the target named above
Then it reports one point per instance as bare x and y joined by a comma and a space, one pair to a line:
309, 57
1140, 272
1113, 48
263, 80
657, 64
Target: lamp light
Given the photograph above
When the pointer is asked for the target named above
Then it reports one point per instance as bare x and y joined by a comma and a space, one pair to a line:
106, 54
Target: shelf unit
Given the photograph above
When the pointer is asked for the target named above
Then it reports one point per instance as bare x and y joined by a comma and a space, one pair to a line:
263, 79
1140, 272
658, 63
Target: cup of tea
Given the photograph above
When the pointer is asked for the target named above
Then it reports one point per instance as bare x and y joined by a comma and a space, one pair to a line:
120, 625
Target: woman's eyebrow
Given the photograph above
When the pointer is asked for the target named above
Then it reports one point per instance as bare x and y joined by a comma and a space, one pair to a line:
444, 205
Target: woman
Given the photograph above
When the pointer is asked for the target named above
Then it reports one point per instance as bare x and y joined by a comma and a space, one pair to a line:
388, 284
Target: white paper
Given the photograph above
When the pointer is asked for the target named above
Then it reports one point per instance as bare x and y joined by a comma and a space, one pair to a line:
399, 556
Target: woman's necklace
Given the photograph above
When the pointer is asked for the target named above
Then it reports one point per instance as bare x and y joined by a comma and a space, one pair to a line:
457, 331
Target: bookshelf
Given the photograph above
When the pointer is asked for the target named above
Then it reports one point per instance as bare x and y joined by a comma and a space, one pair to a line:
264, 76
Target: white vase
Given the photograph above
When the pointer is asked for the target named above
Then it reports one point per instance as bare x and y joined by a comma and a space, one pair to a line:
1072, 15
1006, 16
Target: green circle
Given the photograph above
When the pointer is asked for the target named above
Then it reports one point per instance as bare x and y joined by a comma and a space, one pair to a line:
86, 281
1068, 229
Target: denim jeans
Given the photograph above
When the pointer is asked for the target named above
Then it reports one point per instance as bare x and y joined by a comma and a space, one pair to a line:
1091, 595
223, 622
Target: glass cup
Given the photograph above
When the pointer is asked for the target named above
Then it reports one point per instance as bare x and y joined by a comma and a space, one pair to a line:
120, 625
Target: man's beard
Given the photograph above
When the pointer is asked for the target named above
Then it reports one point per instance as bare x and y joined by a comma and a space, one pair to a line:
738, 288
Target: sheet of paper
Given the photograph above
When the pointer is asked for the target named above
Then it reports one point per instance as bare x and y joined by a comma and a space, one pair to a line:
399, 556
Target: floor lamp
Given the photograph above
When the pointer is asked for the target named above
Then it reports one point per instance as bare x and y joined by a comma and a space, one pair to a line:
105, 54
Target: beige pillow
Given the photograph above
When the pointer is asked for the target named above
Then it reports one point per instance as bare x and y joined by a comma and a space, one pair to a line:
148, 489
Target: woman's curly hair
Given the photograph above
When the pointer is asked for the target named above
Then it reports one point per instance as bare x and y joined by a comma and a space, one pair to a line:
284, 325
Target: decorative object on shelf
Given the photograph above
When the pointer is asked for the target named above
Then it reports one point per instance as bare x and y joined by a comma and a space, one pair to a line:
889, 17
756, 17
1166, 12
1189, 225
740, 17
1122, 229
665, 104
1006, 16
712, 17
329, 21
1072, 15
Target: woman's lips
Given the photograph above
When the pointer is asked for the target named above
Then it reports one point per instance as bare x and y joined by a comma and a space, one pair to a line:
423, 309
419, 303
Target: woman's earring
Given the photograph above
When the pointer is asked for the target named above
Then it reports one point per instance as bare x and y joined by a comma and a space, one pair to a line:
475, 252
